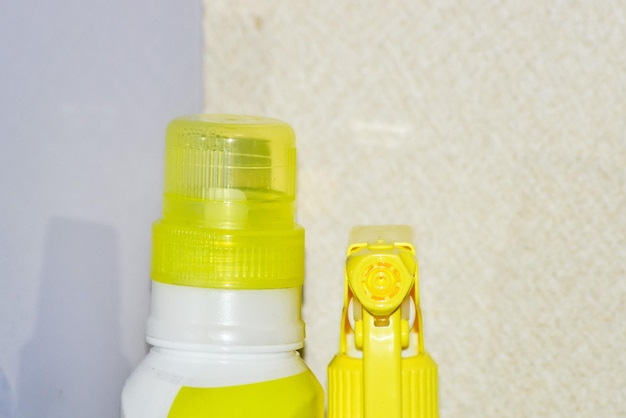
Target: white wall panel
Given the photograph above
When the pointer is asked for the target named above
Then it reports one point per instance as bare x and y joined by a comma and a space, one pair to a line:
86, 89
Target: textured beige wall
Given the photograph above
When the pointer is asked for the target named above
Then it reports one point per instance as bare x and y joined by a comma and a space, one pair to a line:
498, 131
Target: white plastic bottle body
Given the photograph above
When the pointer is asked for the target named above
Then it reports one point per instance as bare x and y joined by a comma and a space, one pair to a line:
223, 343
154, 385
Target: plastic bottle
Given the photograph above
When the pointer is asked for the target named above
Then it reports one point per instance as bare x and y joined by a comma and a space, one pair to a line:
227, 270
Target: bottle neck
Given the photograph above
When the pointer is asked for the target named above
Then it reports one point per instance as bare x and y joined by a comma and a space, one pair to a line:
225, 321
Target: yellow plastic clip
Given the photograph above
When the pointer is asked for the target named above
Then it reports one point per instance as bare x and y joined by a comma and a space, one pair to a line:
382, 369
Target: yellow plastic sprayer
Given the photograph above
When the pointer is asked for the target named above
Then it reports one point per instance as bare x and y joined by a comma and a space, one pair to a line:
382, 369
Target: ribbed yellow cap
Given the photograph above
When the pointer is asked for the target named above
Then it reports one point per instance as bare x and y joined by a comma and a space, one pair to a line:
228, 205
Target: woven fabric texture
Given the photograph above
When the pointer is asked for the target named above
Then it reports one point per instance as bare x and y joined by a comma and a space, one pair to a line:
497, 130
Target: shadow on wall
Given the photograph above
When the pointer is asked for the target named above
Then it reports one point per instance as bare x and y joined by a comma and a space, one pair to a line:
6, 406
73, 366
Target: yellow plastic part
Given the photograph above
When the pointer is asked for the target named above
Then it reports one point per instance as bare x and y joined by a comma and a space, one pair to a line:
299, 396
228, 205
382, 368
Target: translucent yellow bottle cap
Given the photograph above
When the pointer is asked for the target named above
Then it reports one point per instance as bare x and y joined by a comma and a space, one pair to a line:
228, 205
